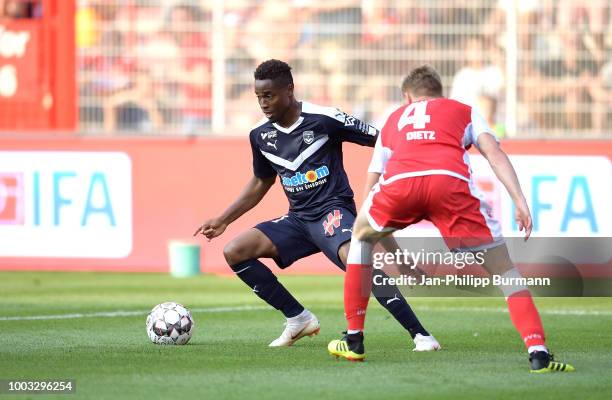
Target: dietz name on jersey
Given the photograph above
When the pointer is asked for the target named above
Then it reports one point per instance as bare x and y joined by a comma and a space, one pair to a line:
420, 135
307, 180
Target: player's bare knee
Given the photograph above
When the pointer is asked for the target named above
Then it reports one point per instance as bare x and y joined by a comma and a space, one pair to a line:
362, 230
362, 234
369, 235
234, 252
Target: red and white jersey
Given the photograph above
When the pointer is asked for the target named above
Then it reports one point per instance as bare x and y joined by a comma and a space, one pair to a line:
428, 137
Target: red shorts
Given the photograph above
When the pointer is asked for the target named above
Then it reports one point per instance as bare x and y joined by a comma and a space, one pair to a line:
453, 205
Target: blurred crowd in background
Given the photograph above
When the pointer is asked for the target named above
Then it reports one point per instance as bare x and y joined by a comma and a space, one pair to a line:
152, 66
19, 9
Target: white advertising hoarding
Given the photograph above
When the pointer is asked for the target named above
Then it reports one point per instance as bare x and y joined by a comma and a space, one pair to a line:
65, 204
569, 196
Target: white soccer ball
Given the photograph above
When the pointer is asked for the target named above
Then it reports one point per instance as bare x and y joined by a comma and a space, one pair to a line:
170, 323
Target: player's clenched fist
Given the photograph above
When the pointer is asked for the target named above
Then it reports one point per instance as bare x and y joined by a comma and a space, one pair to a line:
211, 228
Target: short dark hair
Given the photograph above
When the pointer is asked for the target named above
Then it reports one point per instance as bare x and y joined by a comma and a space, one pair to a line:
275, 70
423, 80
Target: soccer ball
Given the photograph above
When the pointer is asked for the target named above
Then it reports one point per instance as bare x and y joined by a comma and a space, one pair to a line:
169, 323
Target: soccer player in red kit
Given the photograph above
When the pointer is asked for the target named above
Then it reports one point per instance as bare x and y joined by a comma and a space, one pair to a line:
422, 168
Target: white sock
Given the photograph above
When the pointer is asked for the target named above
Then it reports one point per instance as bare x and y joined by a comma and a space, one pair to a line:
300, 317
509, 290
539, 347
353, 331
360, 252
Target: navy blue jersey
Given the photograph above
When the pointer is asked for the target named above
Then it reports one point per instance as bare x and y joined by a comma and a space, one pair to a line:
307, 157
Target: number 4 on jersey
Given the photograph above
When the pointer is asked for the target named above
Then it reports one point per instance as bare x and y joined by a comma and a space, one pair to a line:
416, 115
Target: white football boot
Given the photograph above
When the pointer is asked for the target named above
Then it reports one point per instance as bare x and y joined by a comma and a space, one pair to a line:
305, 324
425, 343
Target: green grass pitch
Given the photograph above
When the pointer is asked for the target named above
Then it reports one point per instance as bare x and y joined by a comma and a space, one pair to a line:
111, 357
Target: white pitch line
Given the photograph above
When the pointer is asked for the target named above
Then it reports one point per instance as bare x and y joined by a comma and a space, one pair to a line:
120, 313
505, 310
573, 312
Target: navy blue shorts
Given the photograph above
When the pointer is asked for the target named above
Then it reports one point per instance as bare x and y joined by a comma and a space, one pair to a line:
296, 238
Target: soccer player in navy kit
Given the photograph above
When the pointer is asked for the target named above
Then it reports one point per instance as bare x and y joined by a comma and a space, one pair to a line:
302, 144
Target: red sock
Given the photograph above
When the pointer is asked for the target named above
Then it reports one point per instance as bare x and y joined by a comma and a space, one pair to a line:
357, 288
526, 319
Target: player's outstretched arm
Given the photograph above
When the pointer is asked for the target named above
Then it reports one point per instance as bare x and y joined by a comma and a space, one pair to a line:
505, 172
250, 196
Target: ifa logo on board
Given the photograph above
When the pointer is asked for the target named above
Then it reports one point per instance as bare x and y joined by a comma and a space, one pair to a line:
12, 202
65, 204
